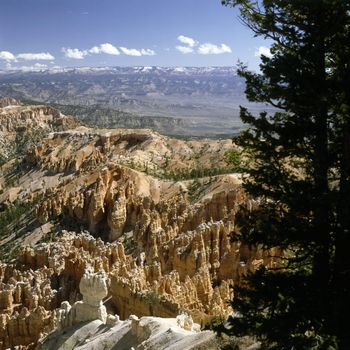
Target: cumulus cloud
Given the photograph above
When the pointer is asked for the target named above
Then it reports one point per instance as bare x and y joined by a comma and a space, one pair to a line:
35, 56
203, 49
187, 40
263, 50
28, 56
148, 52
106, 48
212, 49
74, 53
7, 56
137, 53
184, 49
130, 52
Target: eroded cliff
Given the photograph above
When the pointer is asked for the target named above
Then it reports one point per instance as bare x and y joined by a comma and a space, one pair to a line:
164, 244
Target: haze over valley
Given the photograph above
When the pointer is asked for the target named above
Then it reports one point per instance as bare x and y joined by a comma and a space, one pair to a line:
192, 101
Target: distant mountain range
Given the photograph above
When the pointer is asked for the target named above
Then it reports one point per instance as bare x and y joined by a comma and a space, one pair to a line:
133, 70
200, 101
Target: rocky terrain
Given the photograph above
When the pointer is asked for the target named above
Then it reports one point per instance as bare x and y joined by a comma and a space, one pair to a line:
22, 126
87, 325
155, 214
109, 117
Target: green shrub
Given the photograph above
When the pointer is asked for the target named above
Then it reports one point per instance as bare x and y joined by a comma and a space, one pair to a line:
152, 298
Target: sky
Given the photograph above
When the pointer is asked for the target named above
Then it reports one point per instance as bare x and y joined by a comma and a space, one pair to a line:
37, 34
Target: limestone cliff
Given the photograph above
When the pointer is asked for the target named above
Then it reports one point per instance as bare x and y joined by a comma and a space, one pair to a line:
8, 102
181, 280
86, 325
164, 245
18, 118
25, 126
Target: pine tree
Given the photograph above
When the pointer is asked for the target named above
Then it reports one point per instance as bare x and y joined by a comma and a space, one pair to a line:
301, 175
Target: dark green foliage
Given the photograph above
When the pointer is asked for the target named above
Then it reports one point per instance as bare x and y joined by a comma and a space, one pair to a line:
2, 160
183, 174
214, 323
234, 160
27, 139
152, 298
129, 245
301, 175
10, 216
48, 238
233, 157
15, 219
9, 251
195, 173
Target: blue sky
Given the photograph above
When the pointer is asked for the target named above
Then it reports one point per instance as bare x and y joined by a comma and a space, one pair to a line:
67, 33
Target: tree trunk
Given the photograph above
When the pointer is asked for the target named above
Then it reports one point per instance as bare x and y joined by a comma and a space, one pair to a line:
342, 254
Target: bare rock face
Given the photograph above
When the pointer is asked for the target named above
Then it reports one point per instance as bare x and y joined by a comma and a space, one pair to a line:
158, 247
43, 278
9, 101
22, 127
141, 149
145, 333
108, 332
93, 287
21, 118
24, 303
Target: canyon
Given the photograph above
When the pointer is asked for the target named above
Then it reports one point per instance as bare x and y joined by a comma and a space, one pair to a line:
144, 209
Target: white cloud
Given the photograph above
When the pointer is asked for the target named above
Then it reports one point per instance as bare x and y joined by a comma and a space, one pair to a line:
130, 52
212, 49
77, 54
34, 68
28, 56
106, 48
187, 40
95, 49
203, 49
35, 56
184, 49
263, 50
74, 53
7, 56
40, 65
138, 53
148, 52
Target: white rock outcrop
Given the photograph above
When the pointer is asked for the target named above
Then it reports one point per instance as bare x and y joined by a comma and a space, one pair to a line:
145, 333
86, 326
93, 287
